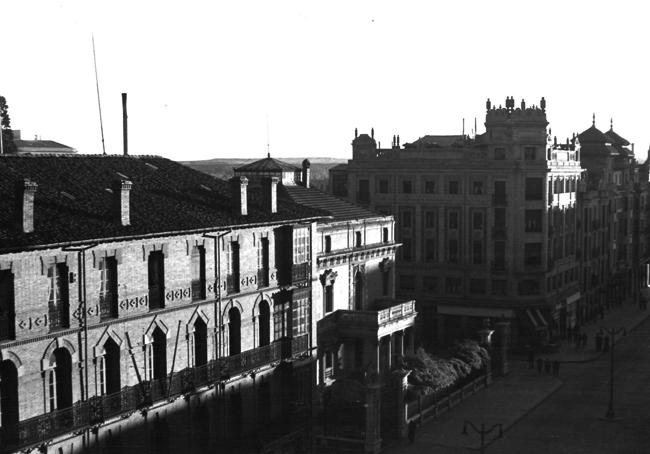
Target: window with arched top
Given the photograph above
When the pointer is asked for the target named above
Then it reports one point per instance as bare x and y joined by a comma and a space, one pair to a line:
264, 321
234, 331
8, 394
110, 368
60, 380
159, 353
200, 342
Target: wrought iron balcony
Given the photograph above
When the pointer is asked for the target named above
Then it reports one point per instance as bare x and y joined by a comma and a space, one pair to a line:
299, 272
96, 410
262, 277
232, 283
107, 306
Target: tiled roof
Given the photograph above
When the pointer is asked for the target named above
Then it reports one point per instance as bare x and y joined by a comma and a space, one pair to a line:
616, 139
340, 210
592, 135
41, 146
267, 165
73, 202
436, 141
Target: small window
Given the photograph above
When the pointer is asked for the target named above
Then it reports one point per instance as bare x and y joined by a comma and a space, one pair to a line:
430, 187
430, 250
499, 154
430, 219
406, 219
382, 186
385, 235
328, 243
407, 186
407, 249
534, 188
357, 239
477, 221
477, 252
453, 285
452, 251
499, 287
533, 220
529, 153
454, 187
477, 286
453, 220
430, 284
477, 187
529, 287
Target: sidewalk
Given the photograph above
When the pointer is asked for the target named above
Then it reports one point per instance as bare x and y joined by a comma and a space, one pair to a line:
627, 316
509, 398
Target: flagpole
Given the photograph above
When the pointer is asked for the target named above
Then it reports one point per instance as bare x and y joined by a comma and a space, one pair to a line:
99, 103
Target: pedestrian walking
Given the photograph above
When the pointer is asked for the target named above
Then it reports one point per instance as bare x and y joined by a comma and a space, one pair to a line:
556, 368
412, 427
531, 359
599, 341
547, 366
540, 365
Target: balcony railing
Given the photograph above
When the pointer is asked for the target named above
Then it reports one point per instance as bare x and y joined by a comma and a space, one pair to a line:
96, 410
262, 277
59, 317
232, 283
299, 272
107, 306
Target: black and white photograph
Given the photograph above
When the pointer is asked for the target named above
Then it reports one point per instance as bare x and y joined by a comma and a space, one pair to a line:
342, 227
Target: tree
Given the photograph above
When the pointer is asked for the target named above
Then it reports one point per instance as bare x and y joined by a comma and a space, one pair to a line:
8, 145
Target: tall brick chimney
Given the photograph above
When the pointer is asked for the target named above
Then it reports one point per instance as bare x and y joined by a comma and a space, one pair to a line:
238, 187
26, 193
270, 194
122, 202
306, 173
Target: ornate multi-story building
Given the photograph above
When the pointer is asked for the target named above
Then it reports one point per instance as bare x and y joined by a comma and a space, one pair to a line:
127, 283
612, 222
487, 223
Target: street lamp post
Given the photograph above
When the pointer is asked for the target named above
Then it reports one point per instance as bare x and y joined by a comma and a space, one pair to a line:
611, 332
482, 432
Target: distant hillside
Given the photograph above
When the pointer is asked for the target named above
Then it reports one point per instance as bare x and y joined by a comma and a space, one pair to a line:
223, 168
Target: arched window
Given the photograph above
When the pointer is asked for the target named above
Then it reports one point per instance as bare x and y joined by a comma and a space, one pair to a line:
8, 394
264, 321
200, 342
234, 329
60, 380
112, 366
358, 291
159, 350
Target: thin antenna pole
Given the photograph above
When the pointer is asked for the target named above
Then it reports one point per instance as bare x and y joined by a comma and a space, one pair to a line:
268, 141
2, 148
99, 103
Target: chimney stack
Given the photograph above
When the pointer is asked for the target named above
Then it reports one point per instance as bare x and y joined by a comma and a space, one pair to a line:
306, 173
122, 201
270, 190
27, 192
238, 186
125, 127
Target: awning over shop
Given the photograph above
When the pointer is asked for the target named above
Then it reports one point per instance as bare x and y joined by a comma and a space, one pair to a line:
536, 318
491, 312
573, 298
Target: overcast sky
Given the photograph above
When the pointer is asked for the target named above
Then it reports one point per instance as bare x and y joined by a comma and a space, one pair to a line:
203, 77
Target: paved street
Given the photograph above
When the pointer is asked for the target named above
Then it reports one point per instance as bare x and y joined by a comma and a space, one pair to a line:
544, 414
